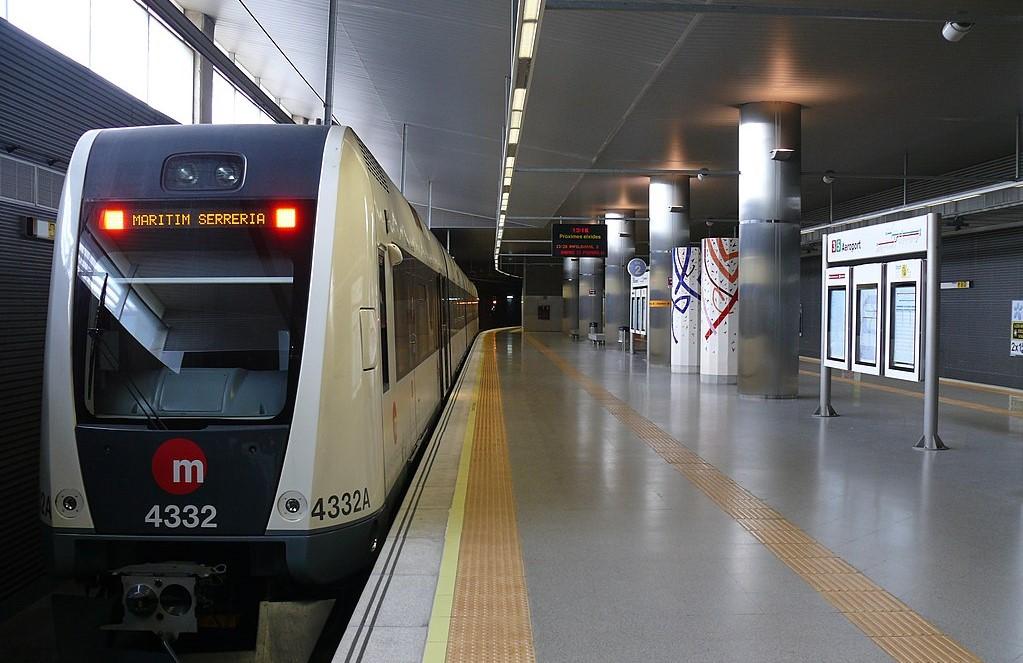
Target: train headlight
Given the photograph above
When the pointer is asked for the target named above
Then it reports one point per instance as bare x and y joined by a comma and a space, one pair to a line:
184, 174
175, 600
69, 503
203, 172
227, 174
141, 600
292, 505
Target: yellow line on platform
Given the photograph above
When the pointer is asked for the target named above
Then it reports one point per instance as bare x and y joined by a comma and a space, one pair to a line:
902, 633
480, 609
440, 615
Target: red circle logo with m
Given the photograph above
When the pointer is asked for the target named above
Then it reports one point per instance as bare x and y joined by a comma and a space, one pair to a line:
179, 466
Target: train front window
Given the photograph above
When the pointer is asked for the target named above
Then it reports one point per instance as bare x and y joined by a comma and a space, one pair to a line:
194, 313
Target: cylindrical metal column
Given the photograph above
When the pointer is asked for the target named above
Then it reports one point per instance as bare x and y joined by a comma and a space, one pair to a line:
621, 248
570, 295
591, 294
669, 228
769, 211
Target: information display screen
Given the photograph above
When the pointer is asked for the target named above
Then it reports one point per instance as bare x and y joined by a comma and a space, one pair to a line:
866, 325
903, 329
571, 240
836, 323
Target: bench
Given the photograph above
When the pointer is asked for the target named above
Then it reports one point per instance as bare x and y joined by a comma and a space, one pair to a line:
596, 339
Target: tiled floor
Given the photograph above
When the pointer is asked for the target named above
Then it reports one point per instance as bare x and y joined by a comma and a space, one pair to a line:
627, 560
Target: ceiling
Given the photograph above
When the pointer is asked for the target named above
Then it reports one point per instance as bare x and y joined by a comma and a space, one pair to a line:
636, 89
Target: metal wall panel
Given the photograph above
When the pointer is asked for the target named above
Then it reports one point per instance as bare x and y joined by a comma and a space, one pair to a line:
48, 101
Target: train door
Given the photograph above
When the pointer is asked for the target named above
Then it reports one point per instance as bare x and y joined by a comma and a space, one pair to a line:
393, 453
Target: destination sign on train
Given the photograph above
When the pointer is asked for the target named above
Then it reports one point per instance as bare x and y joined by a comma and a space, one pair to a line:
575, 240
115, 219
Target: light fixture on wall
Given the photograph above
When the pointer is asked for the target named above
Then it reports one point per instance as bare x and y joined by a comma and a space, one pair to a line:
954, 31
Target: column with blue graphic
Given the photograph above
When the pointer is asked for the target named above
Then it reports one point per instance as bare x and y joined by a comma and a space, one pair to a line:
685, 309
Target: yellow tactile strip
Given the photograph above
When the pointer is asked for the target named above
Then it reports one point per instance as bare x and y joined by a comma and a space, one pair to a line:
898, 630
489, 610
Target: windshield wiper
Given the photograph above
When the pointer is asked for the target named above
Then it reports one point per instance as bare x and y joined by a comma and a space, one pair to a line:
98, 343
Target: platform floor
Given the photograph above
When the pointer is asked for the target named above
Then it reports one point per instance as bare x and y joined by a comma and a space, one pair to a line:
656, 518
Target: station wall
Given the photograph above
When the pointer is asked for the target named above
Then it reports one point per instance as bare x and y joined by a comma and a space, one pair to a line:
47, 101
974, 321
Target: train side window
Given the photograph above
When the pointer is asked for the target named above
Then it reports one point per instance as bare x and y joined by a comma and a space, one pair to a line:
402, 282
384, 360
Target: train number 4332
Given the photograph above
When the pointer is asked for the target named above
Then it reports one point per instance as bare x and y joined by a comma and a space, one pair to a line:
188, 516
335, 506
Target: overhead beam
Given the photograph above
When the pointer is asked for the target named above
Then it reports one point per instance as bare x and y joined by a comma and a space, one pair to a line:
837, 13
734, 173
627, 171
204, 46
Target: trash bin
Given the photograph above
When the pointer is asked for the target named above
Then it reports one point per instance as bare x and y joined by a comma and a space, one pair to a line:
593, 327
623, 335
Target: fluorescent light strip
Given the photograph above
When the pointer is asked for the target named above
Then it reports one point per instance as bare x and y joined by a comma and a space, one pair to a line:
527, 33
527, 39
518, 99
531, 10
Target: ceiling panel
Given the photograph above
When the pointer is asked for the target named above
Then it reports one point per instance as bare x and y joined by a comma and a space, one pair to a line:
872, 90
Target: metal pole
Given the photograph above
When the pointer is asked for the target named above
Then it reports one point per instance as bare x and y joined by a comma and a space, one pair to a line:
328, 97
905, 178
1019, 121
429, 204
404, 144
930, 440
824, 408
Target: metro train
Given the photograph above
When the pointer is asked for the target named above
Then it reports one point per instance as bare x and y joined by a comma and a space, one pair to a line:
250, 330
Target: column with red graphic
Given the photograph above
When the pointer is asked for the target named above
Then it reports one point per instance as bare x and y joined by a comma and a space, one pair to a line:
719, 294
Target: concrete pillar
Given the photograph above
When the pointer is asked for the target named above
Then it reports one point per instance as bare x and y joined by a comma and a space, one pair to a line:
202, 75
591, 294
621, 248
669, 228
769, 212
570, 295
719, 295
685, 309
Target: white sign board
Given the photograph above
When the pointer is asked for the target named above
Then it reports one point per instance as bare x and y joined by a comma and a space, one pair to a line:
1016, 342
886, 239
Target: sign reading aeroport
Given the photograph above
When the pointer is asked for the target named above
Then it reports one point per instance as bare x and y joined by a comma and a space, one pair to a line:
570, 240
887, 239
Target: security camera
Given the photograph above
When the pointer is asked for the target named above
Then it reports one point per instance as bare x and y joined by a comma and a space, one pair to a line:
954, 31
782, 154
702, 174
829, 177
